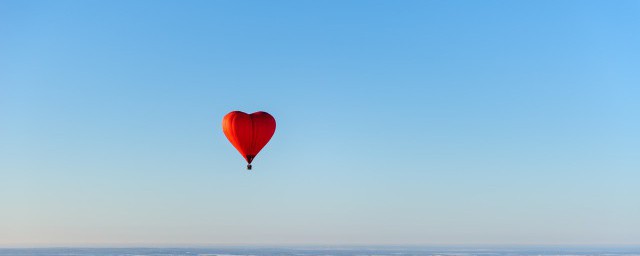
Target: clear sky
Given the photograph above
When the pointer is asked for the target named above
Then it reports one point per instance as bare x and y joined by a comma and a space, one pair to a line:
399, 122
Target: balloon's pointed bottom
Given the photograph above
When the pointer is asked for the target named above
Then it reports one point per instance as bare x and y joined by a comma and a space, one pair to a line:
248, 167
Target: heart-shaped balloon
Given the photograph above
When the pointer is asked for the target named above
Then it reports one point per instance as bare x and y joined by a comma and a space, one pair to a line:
248, 133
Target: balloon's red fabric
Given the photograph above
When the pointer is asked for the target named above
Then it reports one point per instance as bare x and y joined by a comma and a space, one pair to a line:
248, 133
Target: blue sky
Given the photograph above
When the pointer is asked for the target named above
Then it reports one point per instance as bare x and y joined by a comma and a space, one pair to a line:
399, 122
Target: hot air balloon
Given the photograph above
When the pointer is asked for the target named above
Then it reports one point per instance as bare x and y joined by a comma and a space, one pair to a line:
248, 133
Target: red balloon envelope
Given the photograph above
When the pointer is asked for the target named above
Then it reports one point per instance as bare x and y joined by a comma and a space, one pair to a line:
248, 133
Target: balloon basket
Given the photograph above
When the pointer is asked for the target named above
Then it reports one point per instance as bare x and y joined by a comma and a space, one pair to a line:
249, 167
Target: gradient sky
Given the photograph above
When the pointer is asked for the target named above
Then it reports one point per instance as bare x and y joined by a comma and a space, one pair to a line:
399, 122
